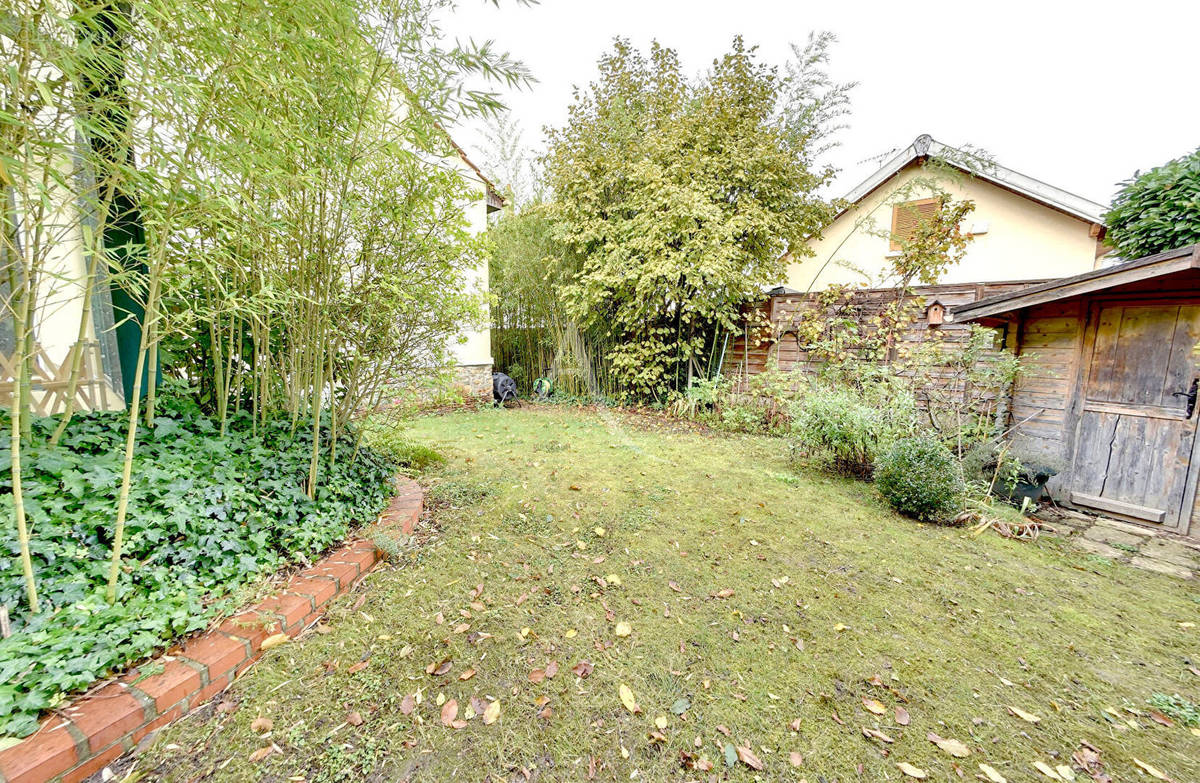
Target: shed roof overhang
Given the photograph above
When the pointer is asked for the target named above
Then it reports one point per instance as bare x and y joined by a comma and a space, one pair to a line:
997, 309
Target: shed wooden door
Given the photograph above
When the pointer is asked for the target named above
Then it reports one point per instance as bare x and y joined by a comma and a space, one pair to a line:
1134, 443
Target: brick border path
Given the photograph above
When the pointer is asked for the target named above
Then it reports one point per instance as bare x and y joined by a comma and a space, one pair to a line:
91, 732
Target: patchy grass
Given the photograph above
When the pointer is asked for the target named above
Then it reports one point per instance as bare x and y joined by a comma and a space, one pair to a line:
831, 592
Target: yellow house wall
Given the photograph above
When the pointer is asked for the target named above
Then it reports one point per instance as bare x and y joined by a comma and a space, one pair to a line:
1024, 240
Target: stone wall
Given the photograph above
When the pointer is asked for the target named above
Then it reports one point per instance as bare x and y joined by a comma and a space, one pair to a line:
475, 381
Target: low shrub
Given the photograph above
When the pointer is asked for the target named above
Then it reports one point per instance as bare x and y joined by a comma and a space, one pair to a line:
207, 515
843, 428
389, 441
920, 478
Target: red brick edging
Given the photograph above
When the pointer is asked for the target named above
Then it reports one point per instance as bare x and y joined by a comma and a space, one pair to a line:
92, 731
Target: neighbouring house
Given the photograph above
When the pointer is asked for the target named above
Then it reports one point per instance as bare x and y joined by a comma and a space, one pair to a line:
471, 349
1109, 389
1023, 231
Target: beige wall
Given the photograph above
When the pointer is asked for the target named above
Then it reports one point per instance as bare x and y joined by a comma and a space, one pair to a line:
1024, 239
473, 344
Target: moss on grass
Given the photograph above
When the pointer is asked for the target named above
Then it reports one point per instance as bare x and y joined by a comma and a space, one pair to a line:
955, 628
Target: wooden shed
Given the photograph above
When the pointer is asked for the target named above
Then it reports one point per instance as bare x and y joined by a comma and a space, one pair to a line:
1109, 391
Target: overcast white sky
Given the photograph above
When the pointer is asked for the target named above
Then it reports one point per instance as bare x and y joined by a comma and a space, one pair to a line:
1077, 94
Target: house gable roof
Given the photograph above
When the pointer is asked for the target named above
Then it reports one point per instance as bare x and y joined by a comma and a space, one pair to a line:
1137, 270
925, 146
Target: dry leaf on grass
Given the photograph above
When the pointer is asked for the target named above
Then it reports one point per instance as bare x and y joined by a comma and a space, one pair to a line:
991, 774
354, 718
261, 724
1023, 715
449, 712
274, 640
1046, 770
537, 675
747, 757
261, 754
438, 669
911, 771
624, 629
582, 669
552, 669
1152, 771
951, 746
726, 593
492, 713
795, 759
902, 716
358, 667
879, 735
627, 699
407, 705
467, 674
873, 706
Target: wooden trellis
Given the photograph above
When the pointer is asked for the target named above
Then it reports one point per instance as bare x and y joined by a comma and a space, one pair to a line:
50, 381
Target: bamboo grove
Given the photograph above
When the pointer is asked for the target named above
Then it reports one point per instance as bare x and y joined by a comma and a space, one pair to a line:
264, 185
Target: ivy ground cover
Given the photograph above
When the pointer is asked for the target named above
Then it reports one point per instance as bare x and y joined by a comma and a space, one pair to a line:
209, 514
601, 595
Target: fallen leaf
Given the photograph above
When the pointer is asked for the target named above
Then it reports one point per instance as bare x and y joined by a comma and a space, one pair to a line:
681, 705
627, 699
1046, 770
449, 712
1153, 772
552, 669
537, 675
1023, 715
794, 725
492, 713
274, 640
467, 674
261, 754
624, 629
674, 586
902, 716
439, 618
991, 774
840, 627
1158, 717
727, 593
745, 755
261, 724
873, 706
879, 735
661, 721
1065, 772
322, 629
951, 746
911, 771
354, 719
407, 705
730, 754
795, 758
582, 669
462, 627
721, 727
358, 667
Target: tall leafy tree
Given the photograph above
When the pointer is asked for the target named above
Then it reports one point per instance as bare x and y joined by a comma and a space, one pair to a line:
1157, 210
680, 196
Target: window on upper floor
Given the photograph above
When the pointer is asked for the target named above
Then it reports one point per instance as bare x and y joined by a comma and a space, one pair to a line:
907, 216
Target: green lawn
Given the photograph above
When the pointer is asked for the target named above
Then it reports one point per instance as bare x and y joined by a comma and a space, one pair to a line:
838, 607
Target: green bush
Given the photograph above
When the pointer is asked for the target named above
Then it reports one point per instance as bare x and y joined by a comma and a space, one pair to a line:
389, 441
207, 515
920, 478
1157, 210
843, 428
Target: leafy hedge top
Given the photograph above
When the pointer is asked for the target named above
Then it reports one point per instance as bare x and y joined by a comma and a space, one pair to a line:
208, 514
1158, 210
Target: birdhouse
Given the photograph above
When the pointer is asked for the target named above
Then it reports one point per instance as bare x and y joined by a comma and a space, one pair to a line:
935, 313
